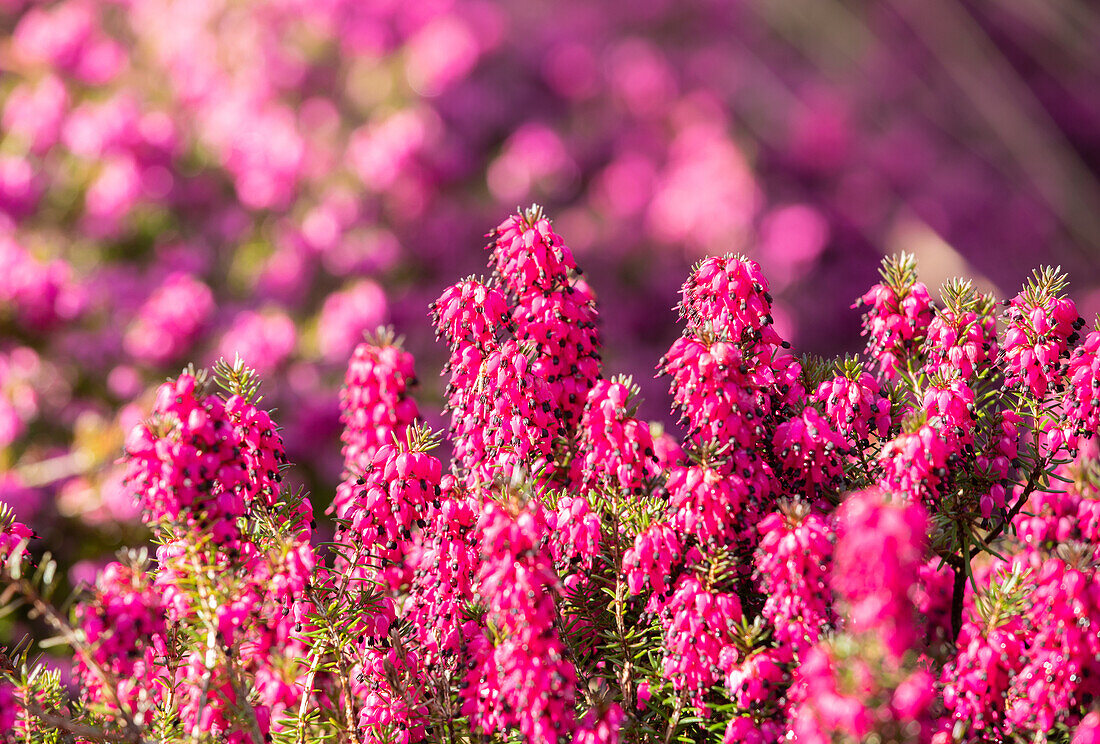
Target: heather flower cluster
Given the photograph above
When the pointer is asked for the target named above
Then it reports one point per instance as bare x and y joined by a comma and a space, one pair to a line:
899, 547
187, 181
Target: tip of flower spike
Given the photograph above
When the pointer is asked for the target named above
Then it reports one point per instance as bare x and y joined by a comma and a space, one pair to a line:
718, 569
200, 374
238, 379
815, 370
136, 559
1046, 283
419, 437
749, 636
850, 367
1078, 555
960, 296
1085, 474
899, 272
514, 488
708, 333
532, 215
620, 390
710, 452
913, 422
1006, 597
626, 381
7, 516
383, 336
794, 510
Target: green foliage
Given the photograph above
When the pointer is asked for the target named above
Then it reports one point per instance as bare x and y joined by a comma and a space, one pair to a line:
899, 273
1046, 283
1006, 597
238, 379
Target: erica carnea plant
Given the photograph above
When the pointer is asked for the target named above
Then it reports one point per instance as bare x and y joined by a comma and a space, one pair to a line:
901, 547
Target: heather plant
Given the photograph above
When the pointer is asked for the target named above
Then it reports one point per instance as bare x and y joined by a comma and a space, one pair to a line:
183, 181
895, 547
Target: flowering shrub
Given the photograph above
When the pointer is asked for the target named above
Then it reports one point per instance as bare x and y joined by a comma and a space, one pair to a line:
187, 180
902, 547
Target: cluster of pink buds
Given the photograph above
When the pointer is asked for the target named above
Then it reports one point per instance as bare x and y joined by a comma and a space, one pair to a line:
529, 256
995, 461
792, 567
532, 342
575, 537
204, 461
376, 404
809, 453
992, 647
513, 427
711, 502
700, 621
880, 601
521, 678
444, 562
602, 727
614, 448
1061, 664
391, 707
185, 463
869, 661
730, 295
962, 337
208, 465
898, 317
648, 563
124, 624
1082, 406
920, 463
553, 307
832, 692
713, 387
382, 503
758, 684
854, 405
1042, 324
469, 316
949, 405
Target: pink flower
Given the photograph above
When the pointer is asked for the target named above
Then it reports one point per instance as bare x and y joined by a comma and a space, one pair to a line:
896, 322
730, 295
809, 453
614, 448
524, 680
375, 402
879, 594
261, 340
921, 464
855, 407
170, 320
1082, 401
347, 315
699, 623
1041, 327
792, 566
